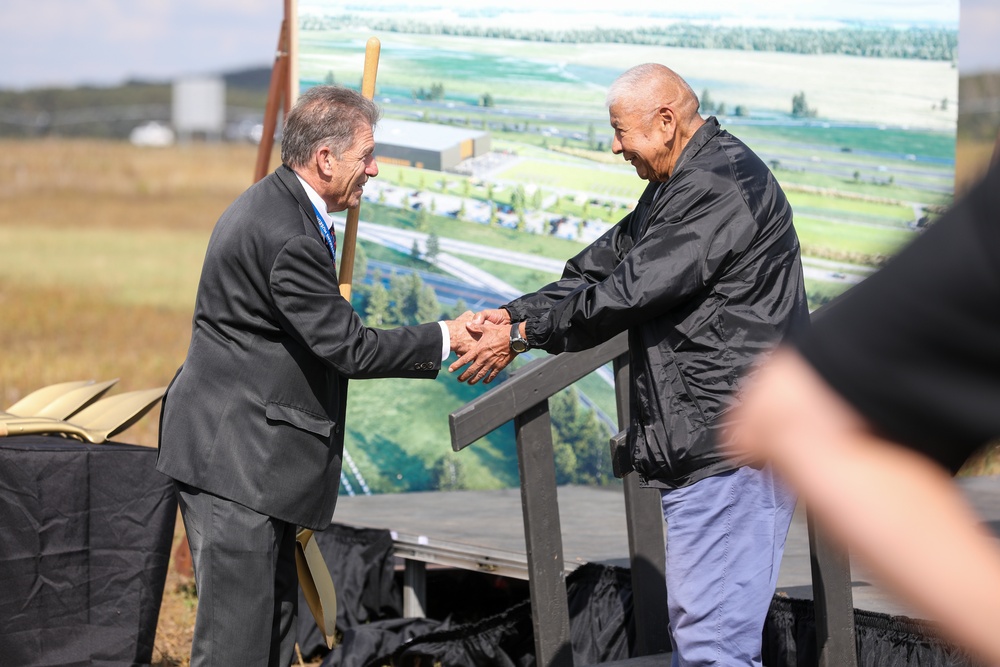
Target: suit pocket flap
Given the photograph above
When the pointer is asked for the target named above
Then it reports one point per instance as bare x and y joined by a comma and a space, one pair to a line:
300, 419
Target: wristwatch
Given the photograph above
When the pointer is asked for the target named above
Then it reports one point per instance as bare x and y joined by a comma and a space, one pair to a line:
518, 343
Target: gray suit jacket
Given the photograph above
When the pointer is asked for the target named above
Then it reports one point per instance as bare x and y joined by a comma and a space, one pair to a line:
255, 414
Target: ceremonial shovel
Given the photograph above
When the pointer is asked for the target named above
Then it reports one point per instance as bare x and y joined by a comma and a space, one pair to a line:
65, 405
316, 584
41, 398
314, 575
95, 423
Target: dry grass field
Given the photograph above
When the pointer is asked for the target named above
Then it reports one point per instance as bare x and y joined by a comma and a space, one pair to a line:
102, 245
100, 249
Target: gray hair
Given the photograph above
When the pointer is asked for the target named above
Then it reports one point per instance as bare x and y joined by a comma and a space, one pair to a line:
325, 116
635, 85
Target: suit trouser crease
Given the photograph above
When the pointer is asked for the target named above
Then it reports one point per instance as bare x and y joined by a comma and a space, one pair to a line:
244, 567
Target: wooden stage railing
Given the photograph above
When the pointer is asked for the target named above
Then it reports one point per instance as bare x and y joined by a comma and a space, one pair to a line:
524, 398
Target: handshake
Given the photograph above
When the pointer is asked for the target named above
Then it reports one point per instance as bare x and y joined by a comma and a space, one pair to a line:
481, 341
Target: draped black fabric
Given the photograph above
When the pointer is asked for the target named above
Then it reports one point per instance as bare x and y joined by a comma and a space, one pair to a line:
86, 536
360, 644
601, 629
361, 565
882, 640
503, 640
602, 624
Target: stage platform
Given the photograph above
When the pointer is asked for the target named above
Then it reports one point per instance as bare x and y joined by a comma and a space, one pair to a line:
483, 530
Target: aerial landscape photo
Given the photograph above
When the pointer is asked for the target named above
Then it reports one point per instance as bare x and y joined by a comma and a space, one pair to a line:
854, 109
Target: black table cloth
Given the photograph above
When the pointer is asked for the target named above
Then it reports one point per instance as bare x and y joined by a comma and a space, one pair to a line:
85, 539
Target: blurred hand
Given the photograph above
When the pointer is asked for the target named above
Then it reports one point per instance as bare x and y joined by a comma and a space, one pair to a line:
462, 338
490, 355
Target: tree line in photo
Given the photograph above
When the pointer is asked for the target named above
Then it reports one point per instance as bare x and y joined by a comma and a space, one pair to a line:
579, 442
921, 43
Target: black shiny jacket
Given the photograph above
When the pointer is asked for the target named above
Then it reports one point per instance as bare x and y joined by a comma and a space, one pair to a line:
705, 275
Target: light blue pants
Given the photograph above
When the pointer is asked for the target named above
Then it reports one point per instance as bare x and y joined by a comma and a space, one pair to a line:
725, 537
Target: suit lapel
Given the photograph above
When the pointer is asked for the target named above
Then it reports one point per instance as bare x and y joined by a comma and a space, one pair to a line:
291, 183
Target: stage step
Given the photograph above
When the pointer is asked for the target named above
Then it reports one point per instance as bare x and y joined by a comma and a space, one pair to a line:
660, 660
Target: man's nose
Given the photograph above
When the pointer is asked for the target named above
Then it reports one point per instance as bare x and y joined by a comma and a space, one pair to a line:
616, 146
371, 168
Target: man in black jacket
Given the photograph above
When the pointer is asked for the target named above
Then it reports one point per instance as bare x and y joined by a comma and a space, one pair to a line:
705, 276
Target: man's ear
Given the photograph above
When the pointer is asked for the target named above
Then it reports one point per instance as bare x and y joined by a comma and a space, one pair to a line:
667, 121
324, 161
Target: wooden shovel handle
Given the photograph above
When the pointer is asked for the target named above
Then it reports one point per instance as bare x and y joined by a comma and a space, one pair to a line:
372, 49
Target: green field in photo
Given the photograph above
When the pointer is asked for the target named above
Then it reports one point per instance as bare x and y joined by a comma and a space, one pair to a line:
596, 179
397, 451
496, 236
523, 279
835, 184
467, 67
859, 209
865, 244
938, 145
819, 293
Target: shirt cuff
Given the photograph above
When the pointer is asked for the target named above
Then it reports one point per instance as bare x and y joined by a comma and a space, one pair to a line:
445, 341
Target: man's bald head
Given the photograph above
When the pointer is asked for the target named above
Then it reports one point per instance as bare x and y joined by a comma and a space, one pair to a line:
648, 86
654, 114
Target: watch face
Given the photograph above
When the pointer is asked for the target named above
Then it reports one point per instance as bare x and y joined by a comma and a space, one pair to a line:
517, 343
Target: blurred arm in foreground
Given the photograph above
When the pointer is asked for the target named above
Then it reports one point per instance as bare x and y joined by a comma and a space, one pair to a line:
892, 389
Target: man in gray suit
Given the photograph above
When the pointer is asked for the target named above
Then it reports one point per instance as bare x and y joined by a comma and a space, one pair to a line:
252, 425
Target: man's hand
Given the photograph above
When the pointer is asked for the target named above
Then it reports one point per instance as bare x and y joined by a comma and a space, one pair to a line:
463, 338
490, 356
493, 315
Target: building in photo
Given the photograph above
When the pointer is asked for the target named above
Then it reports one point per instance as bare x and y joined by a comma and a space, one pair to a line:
426, 145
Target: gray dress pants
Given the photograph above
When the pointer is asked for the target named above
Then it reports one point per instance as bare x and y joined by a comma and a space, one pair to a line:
244, 568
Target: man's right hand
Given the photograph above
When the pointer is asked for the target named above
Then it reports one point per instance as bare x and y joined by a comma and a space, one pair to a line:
462, 337
491, 315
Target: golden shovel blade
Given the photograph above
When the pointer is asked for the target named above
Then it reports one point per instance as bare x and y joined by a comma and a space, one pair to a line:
73, 401
95, 423
316, 584
114, 414
40, 398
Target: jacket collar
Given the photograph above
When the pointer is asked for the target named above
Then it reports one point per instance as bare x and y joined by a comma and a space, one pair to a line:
701, 136
651, 195
290, 181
